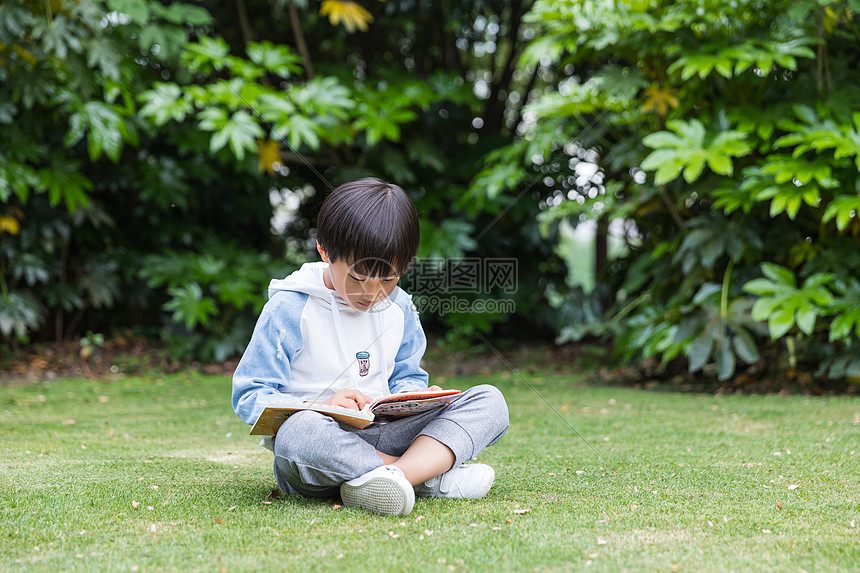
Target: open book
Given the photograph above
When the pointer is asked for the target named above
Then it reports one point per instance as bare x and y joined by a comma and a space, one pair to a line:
385, 408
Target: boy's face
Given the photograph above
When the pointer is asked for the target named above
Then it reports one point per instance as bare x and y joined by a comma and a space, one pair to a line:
359, 291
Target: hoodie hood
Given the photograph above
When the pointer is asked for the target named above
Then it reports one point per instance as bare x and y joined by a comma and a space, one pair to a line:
309, 280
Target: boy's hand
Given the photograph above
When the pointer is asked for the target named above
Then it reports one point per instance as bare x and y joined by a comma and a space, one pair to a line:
352, 399
437, 388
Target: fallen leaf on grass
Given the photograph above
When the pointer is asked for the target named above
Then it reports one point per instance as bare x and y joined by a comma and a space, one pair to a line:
336, 506
218, 520
231, 508
135, 505
794, 486
522, 511
275, 494
601, 541
779, 505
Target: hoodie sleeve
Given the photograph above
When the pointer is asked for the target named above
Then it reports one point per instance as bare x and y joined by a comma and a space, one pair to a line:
263, 373
407, 373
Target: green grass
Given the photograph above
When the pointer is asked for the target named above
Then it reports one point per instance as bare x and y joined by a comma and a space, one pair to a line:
159, 475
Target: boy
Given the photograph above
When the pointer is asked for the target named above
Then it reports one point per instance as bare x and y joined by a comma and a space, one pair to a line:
341, 332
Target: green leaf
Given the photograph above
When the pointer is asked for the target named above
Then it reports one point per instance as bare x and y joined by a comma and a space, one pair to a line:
164, 103
779, 274
725, 360
137, 10
212, 119
104, 54
105, 127
700, 351
299, 129
805, 319
240, 132
689, 150
63, 181
205, 56
695, 165
170, 40
178, 13
844, 209
780, 322
189, 306
325, 96
764, 306
745, 347
277, 59
663, 139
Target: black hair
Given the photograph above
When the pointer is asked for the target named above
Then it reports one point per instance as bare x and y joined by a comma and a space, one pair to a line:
371, 224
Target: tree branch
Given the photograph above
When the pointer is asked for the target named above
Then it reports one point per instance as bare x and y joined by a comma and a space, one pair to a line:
300, 40
494, 108
247, 33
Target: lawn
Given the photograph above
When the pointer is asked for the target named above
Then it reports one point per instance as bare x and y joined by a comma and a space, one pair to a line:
157, 474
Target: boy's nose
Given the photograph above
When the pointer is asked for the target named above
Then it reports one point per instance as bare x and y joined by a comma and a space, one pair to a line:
380, 292
373, 290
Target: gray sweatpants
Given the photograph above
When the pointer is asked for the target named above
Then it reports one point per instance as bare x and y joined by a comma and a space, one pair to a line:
314, 454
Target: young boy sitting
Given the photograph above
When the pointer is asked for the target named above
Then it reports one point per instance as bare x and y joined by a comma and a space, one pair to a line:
342, 332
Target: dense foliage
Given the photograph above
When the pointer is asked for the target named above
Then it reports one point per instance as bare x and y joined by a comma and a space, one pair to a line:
145, 145
726, 137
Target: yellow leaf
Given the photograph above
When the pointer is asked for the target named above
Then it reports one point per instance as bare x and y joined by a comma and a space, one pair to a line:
27, 56
270, 153
353, 15
659, 99
9, 225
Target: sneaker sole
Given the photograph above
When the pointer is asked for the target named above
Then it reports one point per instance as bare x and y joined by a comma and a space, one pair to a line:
379, 495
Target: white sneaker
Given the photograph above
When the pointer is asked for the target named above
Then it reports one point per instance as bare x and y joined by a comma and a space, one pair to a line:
466, 481
384, 490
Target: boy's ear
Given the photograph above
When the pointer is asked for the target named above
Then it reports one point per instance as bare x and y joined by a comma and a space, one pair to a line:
322, 253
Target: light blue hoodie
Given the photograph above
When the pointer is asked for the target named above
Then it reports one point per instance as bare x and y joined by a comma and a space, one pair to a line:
308, 344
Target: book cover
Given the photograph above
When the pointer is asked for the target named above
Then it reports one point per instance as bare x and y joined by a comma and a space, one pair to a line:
385, 408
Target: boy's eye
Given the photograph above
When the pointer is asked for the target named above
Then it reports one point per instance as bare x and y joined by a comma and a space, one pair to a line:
388, 280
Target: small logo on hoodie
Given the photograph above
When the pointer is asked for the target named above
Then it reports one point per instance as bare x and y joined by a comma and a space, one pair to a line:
363, 362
